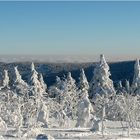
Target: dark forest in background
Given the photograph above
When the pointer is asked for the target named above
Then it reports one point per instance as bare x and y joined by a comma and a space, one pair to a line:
119, 70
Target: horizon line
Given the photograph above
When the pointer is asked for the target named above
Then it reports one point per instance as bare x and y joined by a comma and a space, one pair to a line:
52, 58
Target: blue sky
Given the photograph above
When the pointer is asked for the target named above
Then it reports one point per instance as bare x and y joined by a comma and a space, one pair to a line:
70, 28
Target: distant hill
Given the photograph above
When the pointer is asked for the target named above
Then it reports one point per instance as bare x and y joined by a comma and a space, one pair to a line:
119, 70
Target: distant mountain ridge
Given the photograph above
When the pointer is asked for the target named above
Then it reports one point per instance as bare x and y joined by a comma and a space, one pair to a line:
119, 70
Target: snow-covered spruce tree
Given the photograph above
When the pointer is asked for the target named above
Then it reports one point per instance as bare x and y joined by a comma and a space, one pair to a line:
19, 85
21, 88
55, 91
34, 82
36, 113
84, 111
63, 119
59, 83
5, 88
127, 87
102, 91
36, 99
42, 83
83, 85
58, 102
120, 89
136, 78
42, 109
70, 96
120, 85
5, 80
101, 83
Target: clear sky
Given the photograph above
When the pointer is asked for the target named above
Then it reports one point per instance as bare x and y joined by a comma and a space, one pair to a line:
70, 28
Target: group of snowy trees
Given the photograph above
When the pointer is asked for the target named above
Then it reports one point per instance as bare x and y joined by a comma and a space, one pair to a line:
67, 103
22, 104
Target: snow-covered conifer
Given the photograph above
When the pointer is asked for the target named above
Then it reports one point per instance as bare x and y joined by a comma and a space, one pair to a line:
33, 80
18, 78
120, 84
120, 89
136, 78
59, 83
69, 96
101, 83
83, 83
70, 82
127, 86
19, 85
42, 83
84, 111
5, 81
37, 89
102, 90
56, 91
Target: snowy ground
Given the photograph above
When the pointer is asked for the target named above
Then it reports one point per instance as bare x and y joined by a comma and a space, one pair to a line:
114, 131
